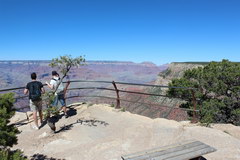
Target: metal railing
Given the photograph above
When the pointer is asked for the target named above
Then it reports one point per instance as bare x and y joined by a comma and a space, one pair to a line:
117, 98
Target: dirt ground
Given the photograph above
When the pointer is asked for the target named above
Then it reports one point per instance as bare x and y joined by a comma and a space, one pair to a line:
99, 132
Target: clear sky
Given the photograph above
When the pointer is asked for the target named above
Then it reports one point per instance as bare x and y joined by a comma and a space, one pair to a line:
160, 31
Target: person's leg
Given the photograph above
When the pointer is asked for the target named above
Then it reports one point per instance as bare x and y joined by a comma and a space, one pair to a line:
35, 118
40, 116
64, 109
40, 111
63, 103
33, 108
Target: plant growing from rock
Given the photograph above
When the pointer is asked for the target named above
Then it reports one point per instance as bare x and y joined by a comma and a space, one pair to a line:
64, 65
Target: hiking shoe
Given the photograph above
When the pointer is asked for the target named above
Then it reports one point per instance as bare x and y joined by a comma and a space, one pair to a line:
35, 127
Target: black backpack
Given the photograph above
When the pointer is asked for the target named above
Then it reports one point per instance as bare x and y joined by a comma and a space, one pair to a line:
35, 92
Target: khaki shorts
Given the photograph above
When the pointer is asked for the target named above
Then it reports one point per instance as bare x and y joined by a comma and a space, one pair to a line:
36, 105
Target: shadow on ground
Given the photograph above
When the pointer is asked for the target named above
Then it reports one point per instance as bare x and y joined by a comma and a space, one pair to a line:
71, 112
43, 157
201, 158
54, 119
90, 123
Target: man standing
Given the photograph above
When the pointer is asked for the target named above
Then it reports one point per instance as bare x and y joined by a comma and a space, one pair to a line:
35, 89
59, 89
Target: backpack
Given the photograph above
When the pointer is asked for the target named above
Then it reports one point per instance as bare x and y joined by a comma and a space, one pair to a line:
35, 92
60, 88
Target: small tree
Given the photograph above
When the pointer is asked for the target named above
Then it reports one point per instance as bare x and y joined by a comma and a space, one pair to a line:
8, 131
218, 94
63, 64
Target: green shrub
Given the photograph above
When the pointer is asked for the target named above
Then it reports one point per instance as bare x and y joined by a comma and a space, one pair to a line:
7, 154
217, 94
8, 132
123, 109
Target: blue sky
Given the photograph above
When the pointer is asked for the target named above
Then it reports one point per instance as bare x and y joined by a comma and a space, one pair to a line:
160, 31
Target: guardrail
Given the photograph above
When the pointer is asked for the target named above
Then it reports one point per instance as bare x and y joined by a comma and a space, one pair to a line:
117, 98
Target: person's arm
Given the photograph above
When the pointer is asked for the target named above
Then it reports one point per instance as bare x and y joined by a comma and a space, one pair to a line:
25, 91
41, 87
50, 85
43, 90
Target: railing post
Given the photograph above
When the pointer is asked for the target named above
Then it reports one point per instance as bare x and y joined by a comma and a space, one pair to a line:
194, 120
117, 93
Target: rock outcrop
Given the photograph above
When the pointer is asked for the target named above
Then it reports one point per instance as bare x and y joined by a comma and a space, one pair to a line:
104, 133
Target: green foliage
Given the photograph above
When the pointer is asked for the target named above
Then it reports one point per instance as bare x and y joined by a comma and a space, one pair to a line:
6, 105
48, 98
210, 110
218, 91
52, 110
65, 63
7, 132
123, 109
165, 73
7, 154
89, 105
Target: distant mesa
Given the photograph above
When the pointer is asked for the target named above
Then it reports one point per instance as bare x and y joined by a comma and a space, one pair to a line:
149, 64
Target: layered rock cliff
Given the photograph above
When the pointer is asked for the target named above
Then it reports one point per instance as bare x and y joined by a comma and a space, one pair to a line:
167, 107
